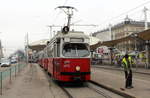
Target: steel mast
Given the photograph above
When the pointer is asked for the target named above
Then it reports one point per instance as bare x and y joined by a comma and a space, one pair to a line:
69, 11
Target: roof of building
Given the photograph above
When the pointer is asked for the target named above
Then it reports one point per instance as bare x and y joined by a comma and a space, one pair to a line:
39, 42
144, 35
94, 40
38, 45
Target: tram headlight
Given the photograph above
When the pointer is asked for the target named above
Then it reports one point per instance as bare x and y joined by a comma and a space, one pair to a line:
77, 68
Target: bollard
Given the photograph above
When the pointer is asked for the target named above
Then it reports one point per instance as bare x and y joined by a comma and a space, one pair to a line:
1, 82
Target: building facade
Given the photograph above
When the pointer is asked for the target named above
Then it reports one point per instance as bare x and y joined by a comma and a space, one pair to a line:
121, 30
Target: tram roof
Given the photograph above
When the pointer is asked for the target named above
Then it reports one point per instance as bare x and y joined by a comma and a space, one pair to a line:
76, 34
41, 44
72, 34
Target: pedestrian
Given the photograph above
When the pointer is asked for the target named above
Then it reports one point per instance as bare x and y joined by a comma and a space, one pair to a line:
127, 64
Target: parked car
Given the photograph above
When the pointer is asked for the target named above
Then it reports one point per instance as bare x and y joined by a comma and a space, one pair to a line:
13, 61
5, 63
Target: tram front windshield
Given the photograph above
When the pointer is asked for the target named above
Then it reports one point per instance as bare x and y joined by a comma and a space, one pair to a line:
76, 50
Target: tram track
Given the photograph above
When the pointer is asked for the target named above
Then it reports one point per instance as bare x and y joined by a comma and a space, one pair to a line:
75, 92
66, 91
99, 92
95, 93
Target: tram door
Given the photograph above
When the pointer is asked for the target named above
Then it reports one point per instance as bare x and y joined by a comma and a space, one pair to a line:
57, 61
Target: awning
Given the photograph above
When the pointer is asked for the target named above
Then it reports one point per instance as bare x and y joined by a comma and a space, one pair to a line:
38, 45
144, 35
111, 43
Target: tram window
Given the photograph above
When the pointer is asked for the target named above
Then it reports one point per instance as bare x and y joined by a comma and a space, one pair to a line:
75, 50
50, 51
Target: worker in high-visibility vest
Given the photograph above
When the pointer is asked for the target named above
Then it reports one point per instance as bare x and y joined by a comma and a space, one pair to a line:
127, 64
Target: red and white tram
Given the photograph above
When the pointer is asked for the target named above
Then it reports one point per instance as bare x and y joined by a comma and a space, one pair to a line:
68, 57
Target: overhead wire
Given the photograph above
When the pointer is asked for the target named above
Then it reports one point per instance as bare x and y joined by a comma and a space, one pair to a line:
65, 2
125, 13
130, 10
58, 14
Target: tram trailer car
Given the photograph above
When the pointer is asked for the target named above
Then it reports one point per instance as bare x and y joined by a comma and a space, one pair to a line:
68, 57
40, 58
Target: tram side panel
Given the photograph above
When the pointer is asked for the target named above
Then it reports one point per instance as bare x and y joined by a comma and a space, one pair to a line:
45, 63
56, 68
50, 66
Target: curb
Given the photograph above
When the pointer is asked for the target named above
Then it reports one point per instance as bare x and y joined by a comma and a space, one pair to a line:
121, 93
121, 70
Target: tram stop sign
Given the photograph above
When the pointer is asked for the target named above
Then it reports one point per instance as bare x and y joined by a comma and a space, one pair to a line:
65, 30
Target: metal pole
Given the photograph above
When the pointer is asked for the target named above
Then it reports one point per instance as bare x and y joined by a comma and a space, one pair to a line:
1, 85
135, 45
111, 59
135, 49
18, 63
10, 76
111, 35
147, 54
145, 16
51, 34
18, 67
1, 51
15, 70
27, 48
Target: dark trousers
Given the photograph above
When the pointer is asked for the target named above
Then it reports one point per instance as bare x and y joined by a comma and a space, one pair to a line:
128, 77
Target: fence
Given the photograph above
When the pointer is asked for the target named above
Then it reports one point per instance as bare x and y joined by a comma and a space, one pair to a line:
8, 73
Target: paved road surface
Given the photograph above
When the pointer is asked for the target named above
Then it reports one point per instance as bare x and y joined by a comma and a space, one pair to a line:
32, 83
116, 80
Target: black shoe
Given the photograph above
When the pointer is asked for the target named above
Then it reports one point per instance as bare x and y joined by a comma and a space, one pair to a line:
131, 87
128, 87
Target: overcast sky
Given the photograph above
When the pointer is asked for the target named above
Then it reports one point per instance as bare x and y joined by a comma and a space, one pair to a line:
17, 17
